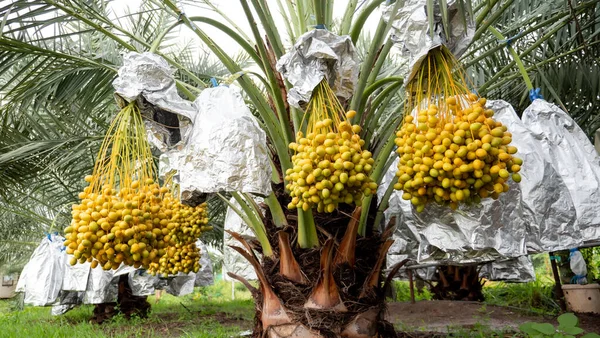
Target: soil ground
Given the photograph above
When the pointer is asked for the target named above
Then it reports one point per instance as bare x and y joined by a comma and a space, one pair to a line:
445, 316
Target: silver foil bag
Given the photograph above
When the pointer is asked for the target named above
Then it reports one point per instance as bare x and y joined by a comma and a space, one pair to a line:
317, 55
66, 301
142, 283
479, 233
100, 288
181, 285
204, 276
411, 31
426, 273
574, 157
495, 229
168, 164
517, 270
227, 150
42, 277
548, 210
149, 75
75, 277
232, 261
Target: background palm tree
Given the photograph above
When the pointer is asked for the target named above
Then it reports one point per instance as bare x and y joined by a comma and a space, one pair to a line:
57, 102
58, 59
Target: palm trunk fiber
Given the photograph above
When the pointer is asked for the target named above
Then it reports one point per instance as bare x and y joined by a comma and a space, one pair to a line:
338, 295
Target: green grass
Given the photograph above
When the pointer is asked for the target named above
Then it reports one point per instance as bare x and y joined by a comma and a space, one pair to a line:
195, 315
534, 296
479, 331
402, 289
210, 312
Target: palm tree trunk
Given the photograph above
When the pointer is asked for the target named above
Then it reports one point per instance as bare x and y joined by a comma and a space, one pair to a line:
458, 283
332, 291
127, 304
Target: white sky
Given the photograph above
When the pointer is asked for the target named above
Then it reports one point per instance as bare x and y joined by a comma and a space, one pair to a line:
233, 9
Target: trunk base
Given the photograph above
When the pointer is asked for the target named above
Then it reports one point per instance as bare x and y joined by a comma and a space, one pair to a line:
458, 283
365, 311
127, 304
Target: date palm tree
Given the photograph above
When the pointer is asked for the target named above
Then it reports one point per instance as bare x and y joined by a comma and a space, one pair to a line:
320, 274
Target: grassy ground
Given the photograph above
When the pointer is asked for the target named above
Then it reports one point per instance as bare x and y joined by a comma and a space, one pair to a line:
531, 297
209, 312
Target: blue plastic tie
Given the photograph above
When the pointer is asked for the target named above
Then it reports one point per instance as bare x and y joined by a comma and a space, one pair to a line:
510, 40
213, 81
320, 26
48, 236
555, 258
536, 94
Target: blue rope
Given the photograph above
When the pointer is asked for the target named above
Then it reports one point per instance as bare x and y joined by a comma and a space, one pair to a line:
320, 26
536, 94
213, 81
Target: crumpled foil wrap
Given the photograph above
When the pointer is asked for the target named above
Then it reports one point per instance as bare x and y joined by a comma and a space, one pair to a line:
42, 276
149, 75
232, 261
142, 283
517, 270
75, 277
227, 150
550, 210
410, 31
181, 285
48, 279
168, 164
66, 301
495, 229
101, 288
204, 276
426, 273
102, 285
319, 54
575, 159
